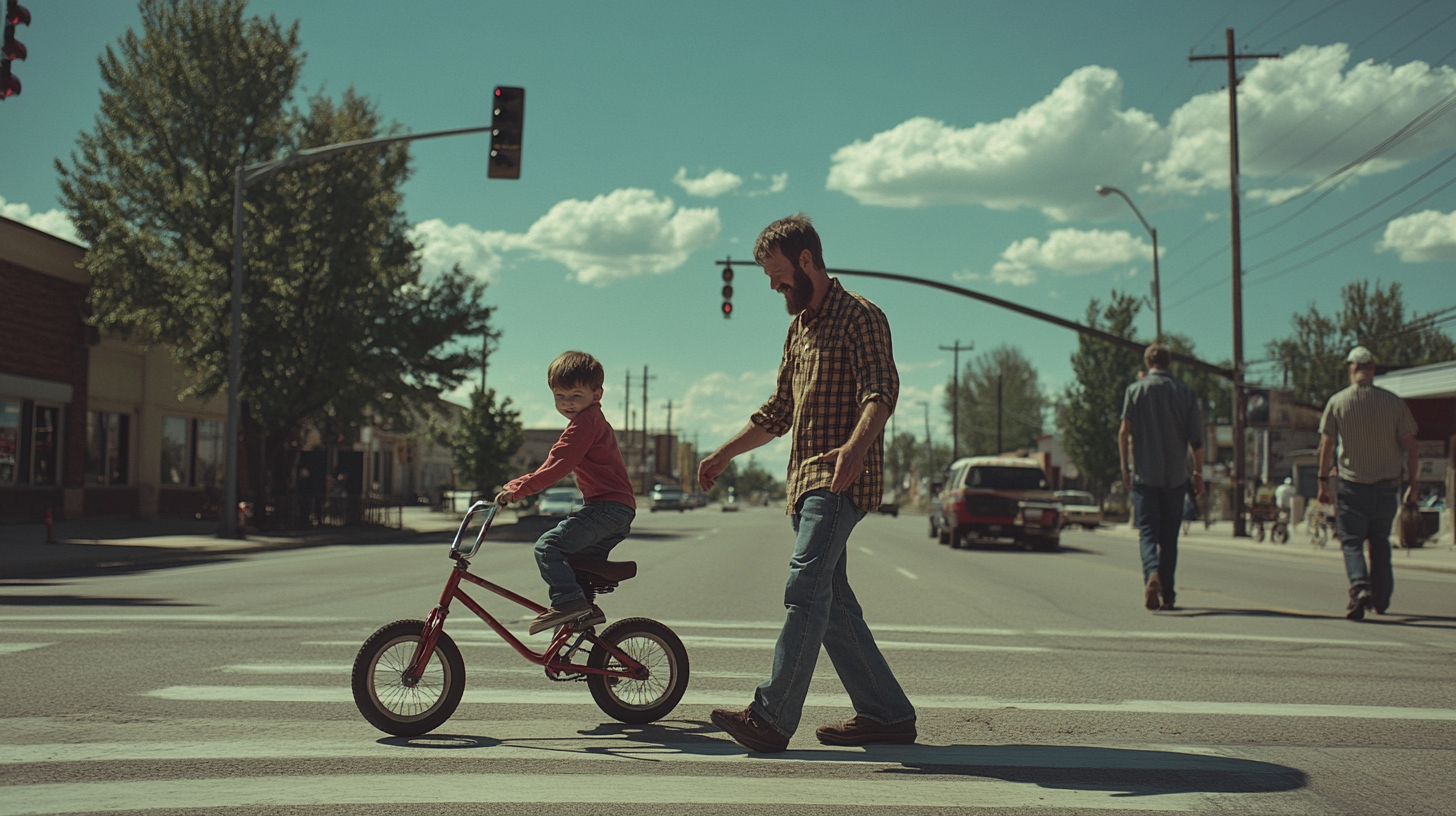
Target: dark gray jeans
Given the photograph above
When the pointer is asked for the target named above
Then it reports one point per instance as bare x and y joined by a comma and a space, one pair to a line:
1364, 512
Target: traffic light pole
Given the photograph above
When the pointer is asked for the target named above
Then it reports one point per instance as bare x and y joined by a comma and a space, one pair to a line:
247, 175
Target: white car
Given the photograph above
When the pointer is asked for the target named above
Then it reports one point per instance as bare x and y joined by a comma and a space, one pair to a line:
1079, 507
559, 501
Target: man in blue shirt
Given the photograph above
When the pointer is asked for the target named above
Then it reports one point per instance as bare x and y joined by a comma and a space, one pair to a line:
1160, 417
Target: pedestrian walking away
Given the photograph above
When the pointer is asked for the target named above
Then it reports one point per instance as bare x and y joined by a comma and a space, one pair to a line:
1374, 431
837, 386
588, 448
1160, 418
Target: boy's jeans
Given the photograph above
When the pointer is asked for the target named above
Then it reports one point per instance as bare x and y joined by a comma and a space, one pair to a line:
823, 610
591, 531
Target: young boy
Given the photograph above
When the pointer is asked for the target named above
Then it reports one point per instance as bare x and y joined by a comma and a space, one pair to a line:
588, 448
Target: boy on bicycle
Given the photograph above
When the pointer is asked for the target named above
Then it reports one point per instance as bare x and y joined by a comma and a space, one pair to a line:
588, 448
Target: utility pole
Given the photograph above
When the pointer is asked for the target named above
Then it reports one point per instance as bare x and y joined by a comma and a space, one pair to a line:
955, 398
929, 452
668, 433
1000, 446
627, 410
1240, 399
647, 469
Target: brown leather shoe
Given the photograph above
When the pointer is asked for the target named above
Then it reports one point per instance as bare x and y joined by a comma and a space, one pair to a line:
745, 729
1153, 598
863, 731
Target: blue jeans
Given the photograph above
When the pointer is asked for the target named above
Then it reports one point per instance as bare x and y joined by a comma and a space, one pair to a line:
1365, 511
591, 531
1157, 512
823, 611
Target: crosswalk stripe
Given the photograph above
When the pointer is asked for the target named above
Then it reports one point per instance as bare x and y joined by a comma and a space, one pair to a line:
387, 789
11, 648
735, 698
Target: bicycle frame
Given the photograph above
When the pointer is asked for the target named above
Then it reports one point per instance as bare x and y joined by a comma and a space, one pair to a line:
550, 658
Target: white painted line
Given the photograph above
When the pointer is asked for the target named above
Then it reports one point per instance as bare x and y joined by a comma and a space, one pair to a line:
345, 669
706, 642
12, 648
341, 694
866, 550
907, 573
181, 617
640, 789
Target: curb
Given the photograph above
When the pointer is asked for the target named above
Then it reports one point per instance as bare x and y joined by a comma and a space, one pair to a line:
1399, 558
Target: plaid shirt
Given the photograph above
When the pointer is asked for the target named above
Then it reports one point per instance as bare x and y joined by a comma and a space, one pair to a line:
834, 364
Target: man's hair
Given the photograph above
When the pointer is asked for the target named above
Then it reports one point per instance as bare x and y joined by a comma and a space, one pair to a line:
575, 368
1157, 355
791, 236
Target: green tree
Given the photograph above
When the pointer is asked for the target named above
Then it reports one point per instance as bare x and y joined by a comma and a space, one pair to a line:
488, 436
997, 386
1090, 411
337, 322
1312, 359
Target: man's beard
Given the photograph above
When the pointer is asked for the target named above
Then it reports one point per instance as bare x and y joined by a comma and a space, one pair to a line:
800, 293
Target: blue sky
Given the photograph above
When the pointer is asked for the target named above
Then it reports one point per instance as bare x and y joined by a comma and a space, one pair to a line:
955, 141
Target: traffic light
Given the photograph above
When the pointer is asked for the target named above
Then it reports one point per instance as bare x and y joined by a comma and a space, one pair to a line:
505, 132
727, 291
15, 14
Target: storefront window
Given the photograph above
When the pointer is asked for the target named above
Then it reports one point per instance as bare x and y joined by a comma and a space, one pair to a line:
44, 435
176, 451
108, 447
9, 441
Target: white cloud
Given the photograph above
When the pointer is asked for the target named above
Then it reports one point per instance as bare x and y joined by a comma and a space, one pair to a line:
777, 183
1049, 156
623, 234
443, 245
53, 222
1424, 236
1303, 117
715, 183
1067, 251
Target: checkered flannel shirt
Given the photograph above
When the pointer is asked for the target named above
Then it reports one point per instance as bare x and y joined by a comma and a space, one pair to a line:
834, 364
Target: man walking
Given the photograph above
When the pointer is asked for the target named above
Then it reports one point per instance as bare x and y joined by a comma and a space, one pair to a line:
1160, 418
1373, 427
837, 386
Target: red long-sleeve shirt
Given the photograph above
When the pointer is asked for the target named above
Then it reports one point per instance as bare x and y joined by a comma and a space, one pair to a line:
588, 448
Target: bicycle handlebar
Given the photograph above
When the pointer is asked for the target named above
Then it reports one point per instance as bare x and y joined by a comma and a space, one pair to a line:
490, 508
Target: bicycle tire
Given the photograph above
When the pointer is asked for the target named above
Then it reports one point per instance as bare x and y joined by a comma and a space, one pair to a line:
379, 690
640, 701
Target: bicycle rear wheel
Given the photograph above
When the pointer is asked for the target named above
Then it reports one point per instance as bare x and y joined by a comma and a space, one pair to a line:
639, 701
387, 701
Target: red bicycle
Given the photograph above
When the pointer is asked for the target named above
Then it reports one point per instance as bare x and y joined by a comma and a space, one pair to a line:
409, 676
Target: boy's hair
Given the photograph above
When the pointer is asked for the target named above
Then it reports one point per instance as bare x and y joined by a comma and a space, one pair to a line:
791, 236
575, 368
1157, 355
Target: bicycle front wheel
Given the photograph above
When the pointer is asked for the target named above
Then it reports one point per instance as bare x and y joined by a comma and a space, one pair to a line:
395, 706
639, 701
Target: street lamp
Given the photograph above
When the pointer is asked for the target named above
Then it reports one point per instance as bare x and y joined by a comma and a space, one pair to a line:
1157, 291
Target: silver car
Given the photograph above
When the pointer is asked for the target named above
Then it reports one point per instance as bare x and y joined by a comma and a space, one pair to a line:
560, 501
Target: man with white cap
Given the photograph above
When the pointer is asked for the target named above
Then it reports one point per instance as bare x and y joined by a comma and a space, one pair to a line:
1373, 428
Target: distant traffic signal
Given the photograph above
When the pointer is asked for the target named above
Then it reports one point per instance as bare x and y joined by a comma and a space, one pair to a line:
727, 291
13, 49
506, 124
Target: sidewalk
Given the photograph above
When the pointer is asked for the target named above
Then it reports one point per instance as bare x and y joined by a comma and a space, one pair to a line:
85, 547
1438, 554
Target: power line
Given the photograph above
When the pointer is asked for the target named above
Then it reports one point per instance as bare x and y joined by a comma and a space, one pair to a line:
1383, 28
1320, 13
1265, 21
1421, 36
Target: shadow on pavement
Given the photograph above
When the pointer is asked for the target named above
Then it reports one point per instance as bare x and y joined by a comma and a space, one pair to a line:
82, 600
1205, 611
1125, 771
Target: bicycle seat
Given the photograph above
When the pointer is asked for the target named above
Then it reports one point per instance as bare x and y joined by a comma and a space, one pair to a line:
602, 571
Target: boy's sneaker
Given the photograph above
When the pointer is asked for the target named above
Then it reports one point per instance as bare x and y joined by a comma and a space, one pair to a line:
596, 618
566, 613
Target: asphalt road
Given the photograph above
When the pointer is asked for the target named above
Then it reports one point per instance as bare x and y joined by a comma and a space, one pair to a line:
1041, 683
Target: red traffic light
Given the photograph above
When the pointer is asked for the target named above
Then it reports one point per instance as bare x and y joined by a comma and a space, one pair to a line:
13, 49
727, 309
16, 14
507, 122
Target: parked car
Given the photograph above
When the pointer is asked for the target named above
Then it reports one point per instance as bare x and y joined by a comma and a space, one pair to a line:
998, 499
666, 497
1079, 507
559, 501
889, 507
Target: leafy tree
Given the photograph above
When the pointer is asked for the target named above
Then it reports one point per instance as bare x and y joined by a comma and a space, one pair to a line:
1019, 405
488, 436
745, 481
1312, 359
337, 323
1091, 409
